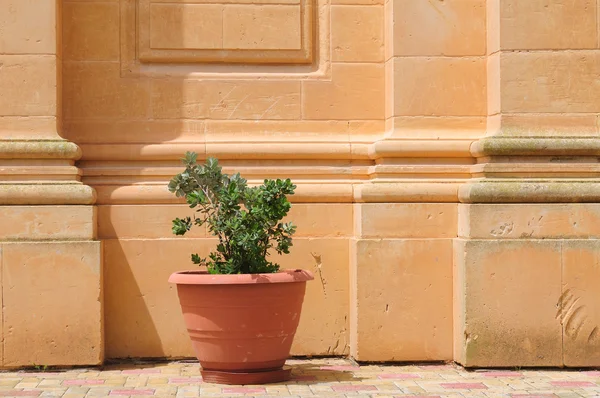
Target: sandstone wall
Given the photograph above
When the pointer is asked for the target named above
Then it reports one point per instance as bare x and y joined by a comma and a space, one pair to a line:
438, 147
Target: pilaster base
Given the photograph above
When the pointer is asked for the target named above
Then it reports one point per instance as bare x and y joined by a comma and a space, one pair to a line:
51, 270
524, 278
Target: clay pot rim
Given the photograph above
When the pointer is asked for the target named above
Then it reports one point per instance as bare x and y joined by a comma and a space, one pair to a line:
204, 278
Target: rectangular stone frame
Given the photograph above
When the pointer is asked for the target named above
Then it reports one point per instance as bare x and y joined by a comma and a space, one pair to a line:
147, 54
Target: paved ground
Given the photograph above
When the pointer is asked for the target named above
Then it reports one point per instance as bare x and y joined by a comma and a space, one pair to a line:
326, 377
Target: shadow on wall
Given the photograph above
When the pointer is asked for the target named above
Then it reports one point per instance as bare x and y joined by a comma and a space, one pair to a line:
129, 328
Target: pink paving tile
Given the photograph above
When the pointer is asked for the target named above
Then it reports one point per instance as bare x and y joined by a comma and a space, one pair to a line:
593, 373
566, 383
464, 386
502, 374
304, 377
533, 396
353, 387
140, 371
243, 390
181, 380
20, 393
82, 382
417, 396
398, 376
341, 368
131, 392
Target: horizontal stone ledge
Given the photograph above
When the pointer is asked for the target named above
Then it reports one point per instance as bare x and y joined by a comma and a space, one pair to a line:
43, 149
530, 191
536, 146
159, 194
314, 192
407, 191
56, 193
342, 148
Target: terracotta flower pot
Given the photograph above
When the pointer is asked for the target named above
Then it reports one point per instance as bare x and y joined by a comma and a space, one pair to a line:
242, 326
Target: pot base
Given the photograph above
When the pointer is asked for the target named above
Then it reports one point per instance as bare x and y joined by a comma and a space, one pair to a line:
246, 378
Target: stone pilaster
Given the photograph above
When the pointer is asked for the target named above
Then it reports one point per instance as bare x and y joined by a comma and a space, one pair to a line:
526, 248
51, 262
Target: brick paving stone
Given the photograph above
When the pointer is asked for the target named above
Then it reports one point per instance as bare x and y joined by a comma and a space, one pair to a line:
130, 392
351, 387
243, 390
464, 386
311, 378
82, 382
573, 384
398, 376
503, 374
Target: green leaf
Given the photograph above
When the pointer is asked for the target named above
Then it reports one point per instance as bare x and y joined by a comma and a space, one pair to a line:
246, 220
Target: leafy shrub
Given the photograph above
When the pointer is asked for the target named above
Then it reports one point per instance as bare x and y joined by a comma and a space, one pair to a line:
245, 219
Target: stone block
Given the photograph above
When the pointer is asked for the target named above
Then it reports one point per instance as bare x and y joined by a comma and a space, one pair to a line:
96, 90
143, 221
91, 31
31, 223
155, 221
222, 99
52, 303
533, 25
579, 304
547, 82
28, 85
506, 294
138, 296
23, 127
263, 27
356, 92
142, 313
323, 328
547, 125
26, 28
357, 33
454, 86
90, 131
405, 220
529, 221
402, 300
186, 26
430, 28
322, 219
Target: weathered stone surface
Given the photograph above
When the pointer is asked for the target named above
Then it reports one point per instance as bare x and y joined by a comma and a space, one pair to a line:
529, 221
459, 28
52, 303
401, 307
456, 86
405, 220
138, 297
25, 27
579, 304
34, 223
533, 25
371, 108
506, 294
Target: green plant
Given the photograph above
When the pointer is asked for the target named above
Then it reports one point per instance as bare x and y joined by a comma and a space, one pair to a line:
40, 368
246, 220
